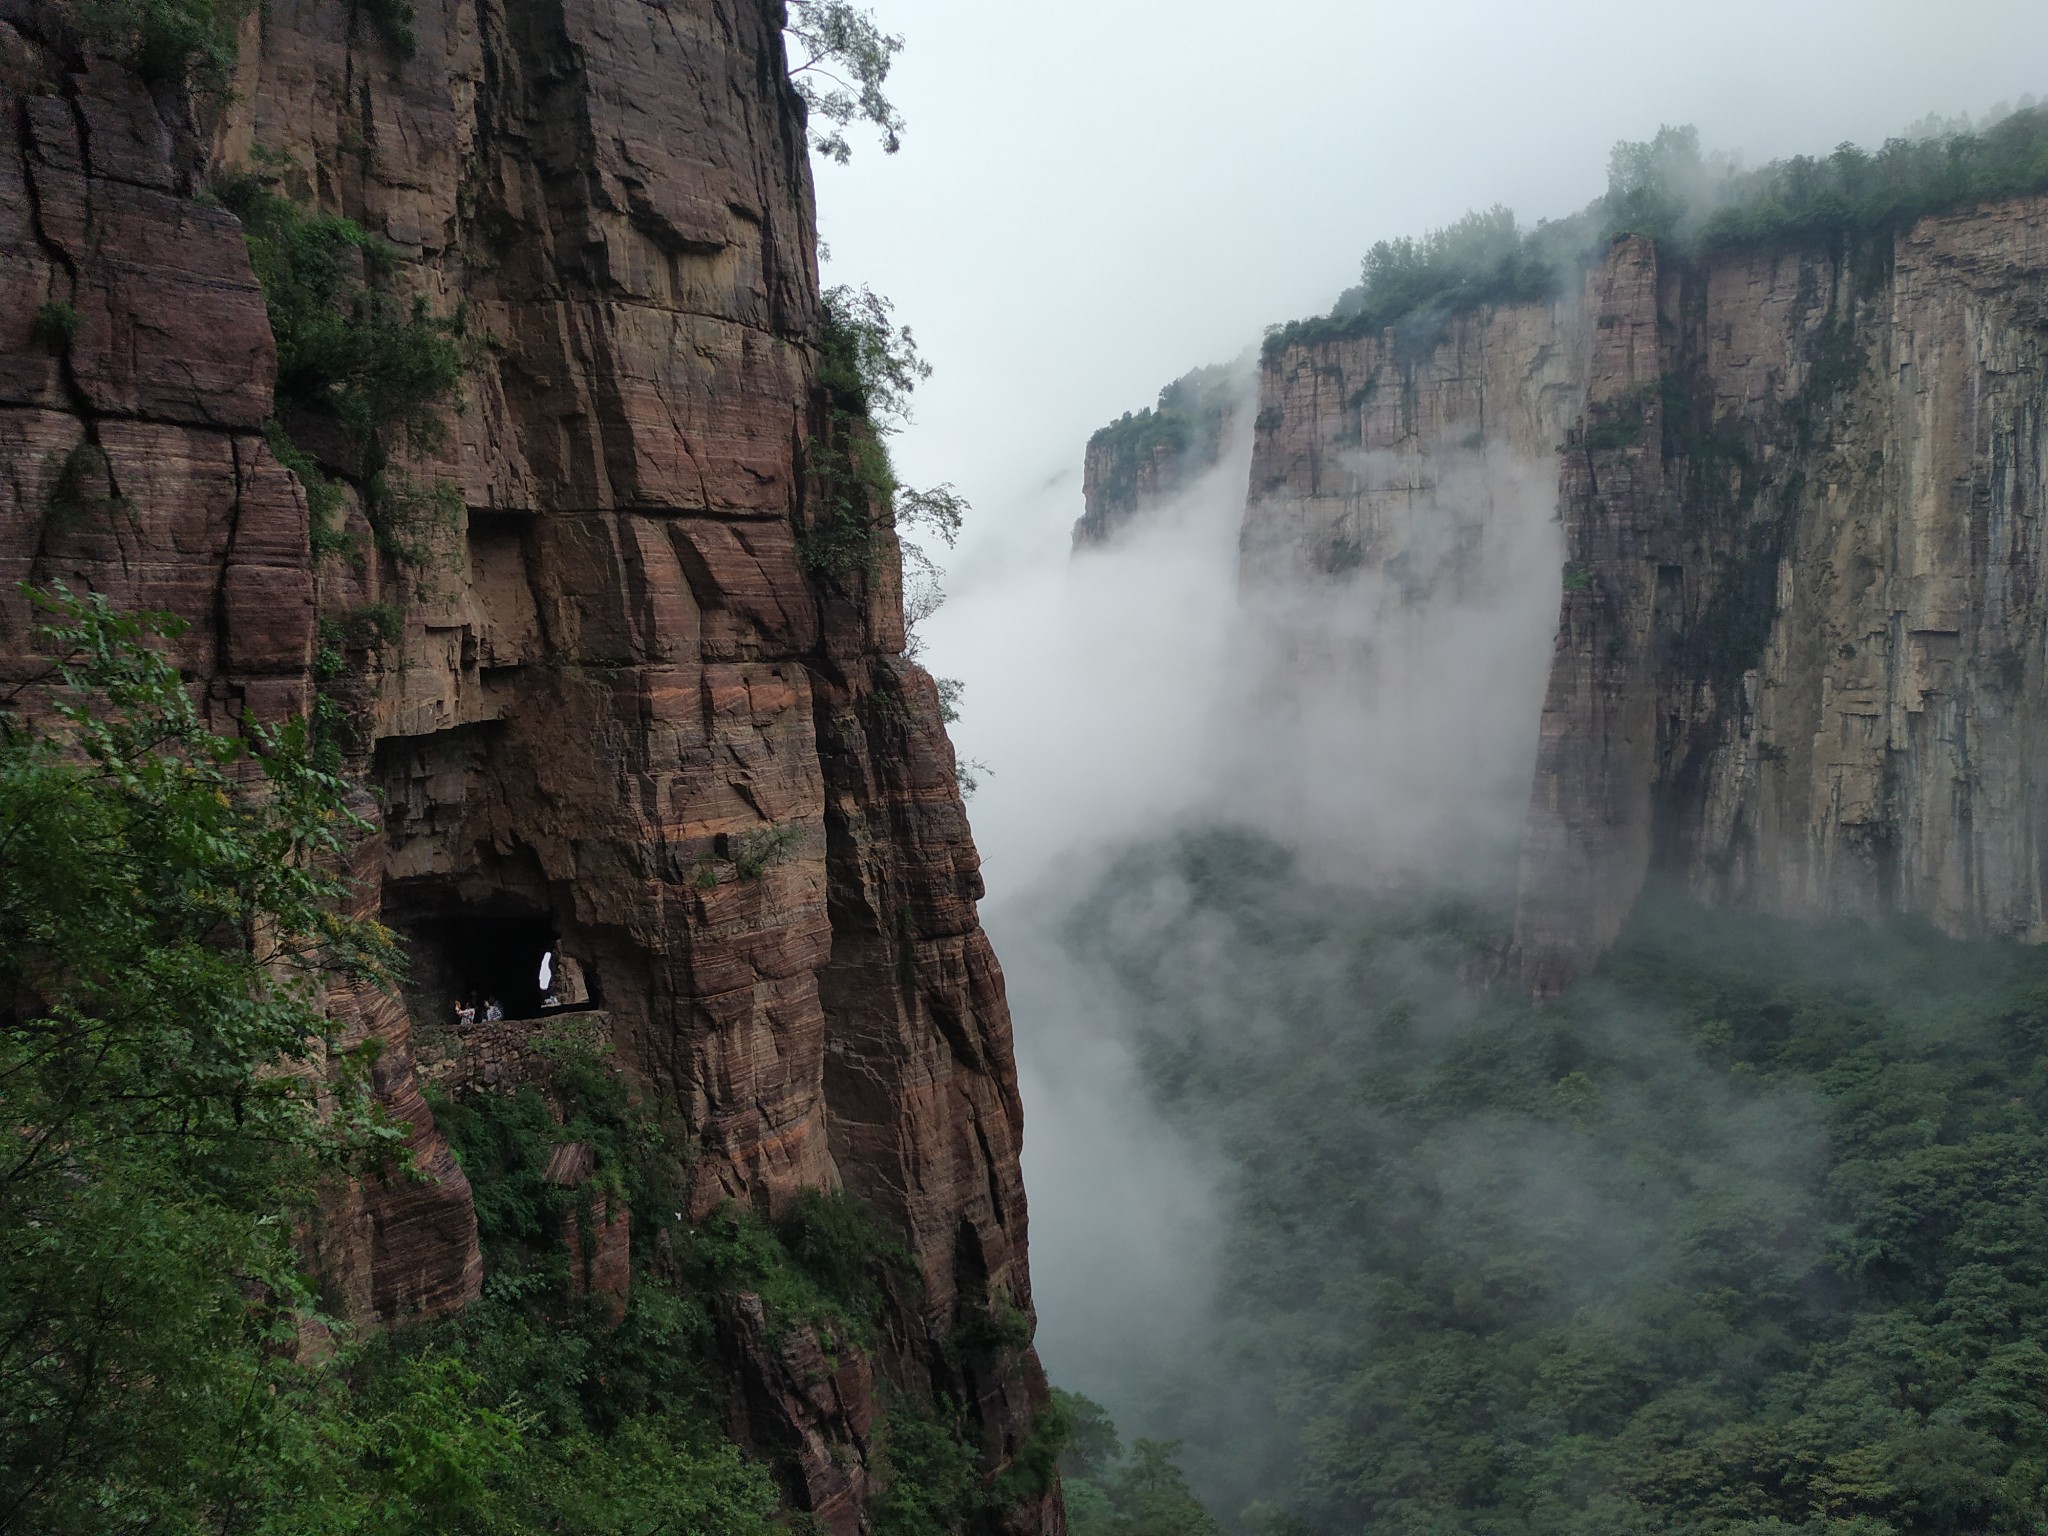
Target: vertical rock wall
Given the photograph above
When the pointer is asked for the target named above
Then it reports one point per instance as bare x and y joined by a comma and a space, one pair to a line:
1352, 434
616, 708
133, 464
1800, 654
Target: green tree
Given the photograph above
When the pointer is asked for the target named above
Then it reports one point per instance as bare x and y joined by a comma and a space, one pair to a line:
174, 1107
868, 366
167, 922
846, 61
1109, 1493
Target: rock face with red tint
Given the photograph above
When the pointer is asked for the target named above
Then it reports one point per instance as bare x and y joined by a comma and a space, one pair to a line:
1799, 661
614, 716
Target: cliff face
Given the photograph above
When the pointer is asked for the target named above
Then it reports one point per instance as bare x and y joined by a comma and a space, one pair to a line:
1800, 652
1141, 460
614, 676
1352, 434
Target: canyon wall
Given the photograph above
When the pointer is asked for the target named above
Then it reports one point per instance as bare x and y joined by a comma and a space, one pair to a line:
1801, 658
614, 674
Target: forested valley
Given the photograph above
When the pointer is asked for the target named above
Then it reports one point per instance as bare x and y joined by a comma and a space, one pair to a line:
1744, 1234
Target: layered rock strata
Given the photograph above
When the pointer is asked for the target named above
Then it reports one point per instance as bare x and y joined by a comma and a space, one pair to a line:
1803, 617
615, 716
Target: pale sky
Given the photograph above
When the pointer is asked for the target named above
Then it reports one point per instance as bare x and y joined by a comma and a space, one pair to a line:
1095, 195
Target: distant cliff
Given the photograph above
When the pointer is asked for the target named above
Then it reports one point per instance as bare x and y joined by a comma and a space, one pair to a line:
1801, 658
1142, 458
610, 704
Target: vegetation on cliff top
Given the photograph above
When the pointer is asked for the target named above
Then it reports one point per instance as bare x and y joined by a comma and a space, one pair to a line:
1188, 420
1748, 1234
1666, 189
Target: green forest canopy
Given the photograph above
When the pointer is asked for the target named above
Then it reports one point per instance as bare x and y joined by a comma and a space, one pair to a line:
1665, 188
1747, 1234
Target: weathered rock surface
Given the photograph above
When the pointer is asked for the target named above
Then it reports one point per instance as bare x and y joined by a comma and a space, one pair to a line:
617, 675
1802, 651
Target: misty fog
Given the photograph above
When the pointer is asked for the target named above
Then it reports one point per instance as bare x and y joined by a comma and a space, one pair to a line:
1251, 802
1379, 719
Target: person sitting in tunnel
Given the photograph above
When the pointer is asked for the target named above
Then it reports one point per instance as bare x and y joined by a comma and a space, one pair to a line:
464, 1017
492, 1012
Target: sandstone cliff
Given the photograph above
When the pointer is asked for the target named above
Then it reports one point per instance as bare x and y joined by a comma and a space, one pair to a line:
614, 671
1803, 625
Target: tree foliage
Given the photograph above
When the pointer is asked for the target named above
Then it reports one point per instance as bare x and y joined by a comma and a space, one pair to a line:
173, 42
1110, 1493
868, 367
167, 919
168, 925
845, 62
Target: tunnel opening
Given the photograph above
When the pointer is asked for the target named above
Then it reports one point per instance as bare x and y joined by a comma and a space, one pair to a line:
473, 953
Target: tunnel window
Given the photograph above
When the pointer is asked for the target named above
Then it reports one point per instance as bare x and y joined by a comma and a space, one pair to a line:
473, 953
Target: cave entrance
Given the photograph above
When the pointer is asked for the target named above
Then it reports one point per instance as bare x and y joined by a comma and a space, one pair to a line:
479, 951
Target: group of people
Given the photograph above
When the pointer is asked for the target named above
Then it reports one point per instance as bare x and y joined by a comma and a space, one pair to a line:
466, 1016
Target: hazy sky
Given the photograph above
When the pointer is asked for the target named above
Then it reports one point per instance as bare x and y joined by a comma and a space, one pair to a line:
1095, 195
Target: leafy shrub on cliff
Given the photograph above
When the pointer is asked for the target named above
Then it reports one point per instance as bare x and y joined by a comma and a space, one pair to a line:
165, 41
393, 21
356, 363
1748, 1233
55, 327
868, 367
